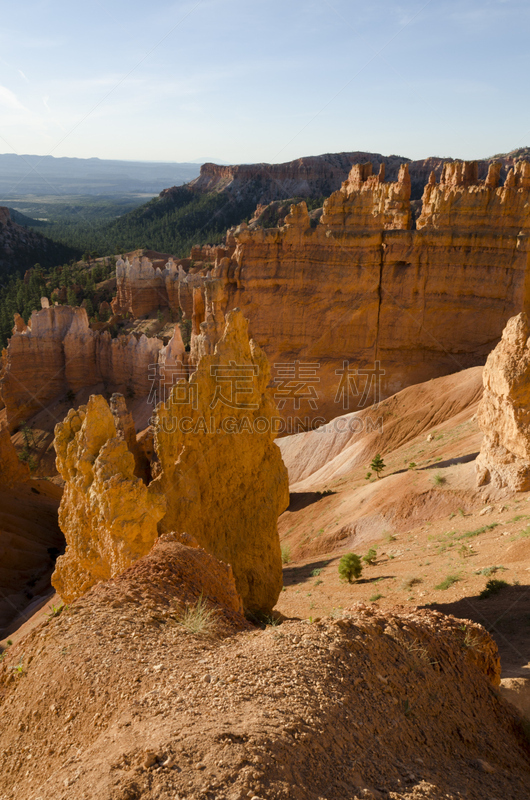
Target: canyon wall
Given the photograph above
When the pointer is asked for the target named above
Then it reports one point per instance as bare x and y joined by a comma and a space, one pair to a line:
347, 295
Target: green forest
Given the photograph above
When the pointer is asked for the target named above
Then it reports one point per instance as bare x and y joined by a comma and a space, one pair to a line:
74, 284
170, 223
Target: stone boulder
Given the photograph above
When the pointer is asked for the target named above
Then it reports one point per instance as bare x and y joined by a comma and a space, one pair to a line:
108, 516
504, 412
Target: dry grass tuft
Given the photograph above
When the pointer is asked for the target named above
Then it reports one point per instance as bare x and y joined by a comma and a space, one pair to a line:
199, 619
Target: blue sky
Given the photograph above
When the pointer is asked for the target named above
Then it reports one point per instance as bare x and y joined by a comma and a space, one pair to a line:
244, 80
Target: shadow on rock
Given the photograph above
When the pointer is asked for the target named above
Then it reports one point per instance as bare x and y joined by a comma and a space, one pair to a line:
506, 615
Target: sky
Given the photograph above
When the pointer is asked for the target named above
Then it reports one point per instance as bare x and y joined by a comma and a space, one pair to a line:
243, 81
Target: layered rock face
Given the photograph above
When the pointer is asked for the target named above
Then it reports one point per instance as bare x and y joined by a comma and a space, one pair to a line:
222, 473
418, 303
365, 201
108, 516
504, 412
313, 176
58, 351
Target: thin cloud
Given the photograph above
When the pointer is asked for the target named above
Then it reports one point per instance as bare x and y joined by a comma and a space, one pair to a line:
8, 99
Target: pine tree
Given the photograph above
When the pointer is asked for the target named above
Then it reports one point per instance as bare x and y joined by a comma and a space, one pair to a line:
377, 465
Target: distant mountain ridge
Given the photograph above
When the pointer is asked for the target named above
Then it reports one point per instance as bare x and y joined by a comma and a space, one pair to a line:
47, 175
314, 176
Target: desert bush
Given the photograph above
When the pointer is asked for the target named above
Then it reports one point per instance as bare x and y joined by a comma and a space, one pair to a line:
448, 582
493, 586
410, 582
350, 567
370, 556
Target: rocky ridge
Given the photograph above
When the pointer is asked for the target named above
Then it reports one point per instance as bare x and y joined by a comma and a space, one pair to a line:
393, 705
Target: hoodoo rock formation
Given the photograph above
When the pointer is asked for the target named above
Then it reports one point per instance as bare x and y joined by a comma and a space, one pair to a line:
57, 351
222, 473
504, 412
108, 516
368, 304
459, 200
220, 476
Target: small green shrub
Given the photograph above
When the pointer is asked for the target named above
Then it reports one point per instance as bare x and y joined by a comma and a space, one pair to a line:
478, 531
493, 586
439, 479
375, 597
466, 551
370, 556
350, 567
316, 572
368, 476
448, 582
56, 610
487, 571
412, 465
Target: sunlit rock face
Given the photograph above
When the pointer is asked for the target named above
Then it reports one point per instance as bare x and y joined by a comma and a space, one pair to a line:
108, 515
504, 412
221, 471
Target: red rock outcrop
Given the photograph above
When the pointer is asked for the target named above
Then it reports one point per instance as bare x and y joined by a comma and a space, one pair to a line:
504, 412
366, 202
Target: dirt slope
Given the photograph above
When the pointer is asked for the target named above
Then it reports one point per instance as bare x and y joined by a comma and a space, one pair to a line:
114, 699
